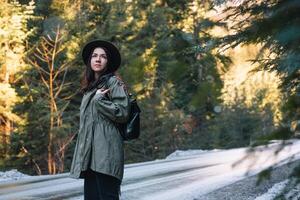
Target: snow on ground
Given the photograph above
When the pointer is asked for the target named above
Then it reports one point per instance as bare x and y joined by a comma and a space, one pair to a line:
273, 191
11, 175
282, 188
189, 152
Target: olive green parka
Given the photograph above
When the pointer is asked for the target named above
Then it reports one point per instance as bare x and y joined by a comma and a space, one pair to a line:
99, 143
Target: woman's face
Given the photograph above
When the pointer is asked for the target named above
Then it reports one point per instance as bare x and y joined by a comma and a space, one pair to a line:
98, 60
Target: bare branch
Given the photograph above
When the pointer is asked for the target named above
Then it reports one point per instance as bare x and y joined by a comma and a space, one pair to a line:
62, 68
42, 59
38, 169
40, 52
61, 38
70, 96
59, 50
37, 66
40, 69
55, 45
65, 144
46, 52
48, 36
49, 43
65, 85
61, 85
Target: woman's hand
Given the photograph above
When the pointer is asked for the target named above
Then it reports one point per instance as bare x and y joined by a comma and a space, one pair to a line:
102, 91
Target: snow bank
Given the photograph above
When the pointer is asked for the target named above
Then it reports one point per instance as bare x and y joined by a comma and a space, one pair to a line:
273, 191
190, 152
11, 175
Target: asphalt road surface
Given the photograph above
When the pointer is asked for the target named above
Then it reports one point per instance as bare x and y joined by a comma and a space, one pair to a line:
179, 178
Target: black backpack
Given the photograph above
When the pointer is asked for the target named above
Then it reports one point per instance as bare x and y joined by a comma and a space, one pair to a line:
131, 129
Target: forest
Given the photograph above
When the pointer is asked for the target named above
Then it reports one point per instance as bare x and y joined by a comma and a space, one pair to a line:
207, 74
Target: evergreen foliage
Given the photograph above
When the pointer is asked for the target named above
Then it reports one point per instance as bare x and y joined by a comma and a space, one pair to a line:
274, 25
13, 35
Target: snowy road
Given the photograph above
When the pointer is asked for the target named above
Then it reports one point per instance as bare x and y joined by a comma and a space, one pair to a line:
179, 178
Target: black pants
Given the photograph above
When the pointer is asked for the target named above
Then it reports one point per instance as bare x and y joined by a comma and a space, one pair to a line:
99, 186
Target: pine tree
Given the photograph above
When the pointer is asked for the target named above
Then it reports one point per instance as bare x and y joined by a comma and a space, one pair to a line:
13, 34
274, 25
50, 88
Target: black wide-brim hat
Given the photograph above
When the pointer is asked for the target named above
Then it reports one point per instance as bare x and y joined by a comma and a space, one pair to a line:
115, 60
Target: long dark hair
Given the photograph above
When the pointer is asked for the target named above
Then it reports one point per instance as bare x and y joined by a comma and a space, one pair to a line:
88, 81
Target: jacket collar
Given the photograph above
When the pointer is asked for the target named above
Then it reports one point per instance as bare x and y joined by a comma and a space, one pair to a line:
100, 80
89, 94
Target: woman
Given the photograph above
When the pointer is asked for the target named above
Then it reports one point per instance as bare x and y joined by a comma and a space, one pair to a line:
99, 155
